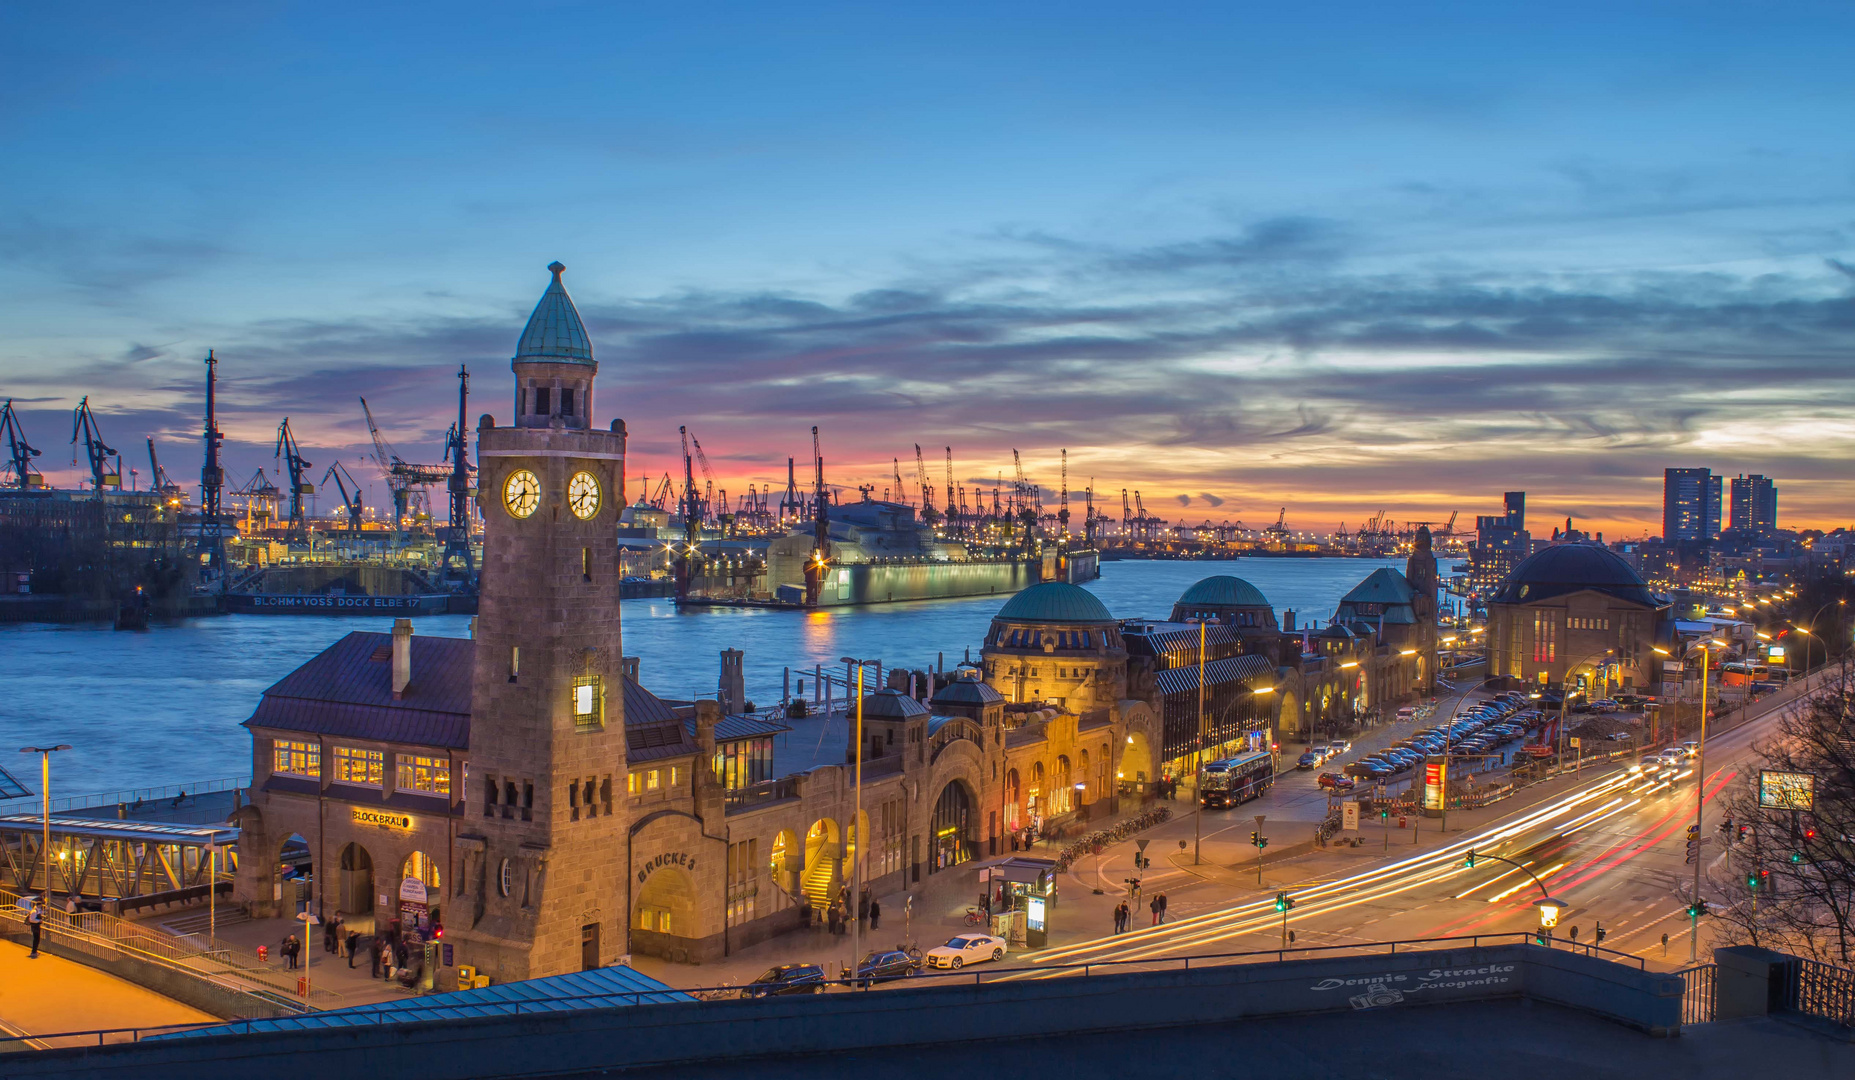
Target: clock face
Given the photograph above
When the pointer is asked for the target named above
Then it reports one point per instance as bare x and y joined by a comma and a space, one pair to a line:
521, 493
583, 495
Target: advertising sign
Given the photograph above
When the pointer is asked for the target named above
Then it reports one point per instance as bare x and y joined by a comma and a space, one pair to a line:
1433, 781
1349, 816
1776, 652
1786, 790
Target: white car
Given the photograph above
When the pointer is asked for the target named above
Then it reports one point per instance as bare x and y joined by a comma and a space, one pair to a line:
966, 949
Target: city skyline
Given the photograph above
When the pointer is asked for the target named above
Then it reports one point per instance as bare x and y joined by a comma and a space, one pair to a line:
1229, 260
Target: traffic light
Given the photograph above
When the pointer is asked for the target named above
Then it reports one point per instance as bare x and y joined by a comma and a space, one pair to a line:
1470, 864
1744, 830
1809, 831
1601, 933
1796, 857
1755, 879
1384, 812
1696, 909
1539, 936
1253, 836
1284, 902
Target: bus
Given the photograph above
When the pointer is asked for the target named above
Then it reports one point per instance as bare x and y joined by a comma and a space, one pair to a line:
1236, 779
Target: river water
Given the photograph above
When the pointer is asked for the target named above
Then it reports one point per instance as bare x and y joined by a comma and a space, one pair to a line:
163, 706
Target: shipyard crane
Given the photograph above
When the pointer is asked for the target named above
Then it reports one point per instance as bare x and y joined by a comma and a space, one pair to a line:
158, 478
298, 467
84, 425
661, 498
351, 502
708, 474
1278, 532
1088, 514
401, 475
457, 448
1127, 518
928, 513
212, 480
955, 508
791, 508
260, 497
682, 565
20, 472
1062, 515
821, 529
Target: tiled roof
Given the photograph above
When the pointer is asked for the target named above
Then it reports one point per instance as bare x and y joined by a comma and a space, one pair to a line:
1054, 602
1382, 586
741, 727
347, 690
962, 691
1158, 639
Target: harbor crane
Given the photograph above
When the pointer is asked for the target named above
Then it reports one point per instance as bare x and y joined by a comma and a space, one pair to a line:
928, 513
84, 425
1062, 515
212, 480
158, 477
661, 498
260, 497
402, 476
821, 528
457, 553
1278, 532
351, 502
956, 509
20, 472
298, 467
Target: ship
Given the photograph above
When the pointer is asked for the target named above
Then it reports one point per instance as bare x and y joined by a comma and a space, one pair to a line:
875, 552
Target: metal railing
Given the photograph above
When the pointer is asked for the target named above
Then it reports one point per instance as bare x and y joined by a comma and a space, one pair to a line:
1823, 990
1699, 993
413, 1011
767, 791
66, 803
106, 936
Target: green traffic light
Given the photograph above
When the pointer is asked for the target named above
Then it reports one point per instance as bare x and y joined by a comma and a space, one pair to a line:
1796, 857
1470, 864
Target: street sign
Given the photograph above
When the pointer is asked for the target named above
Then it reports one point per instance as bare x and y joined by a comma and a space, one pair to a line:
1141, 844
1349, 815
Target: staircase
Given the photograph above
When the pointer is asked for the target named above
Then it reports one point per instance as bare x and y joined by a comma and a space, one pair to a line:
820, 883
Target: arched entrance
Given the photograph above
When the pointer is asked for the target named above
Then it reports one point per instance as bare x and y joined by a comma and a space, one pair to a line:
1014, 807
357, 881
1288, 719
786, 861
1062, 792
667, 904
1136, 771
823, 863
294, 874
952, 827
419, 892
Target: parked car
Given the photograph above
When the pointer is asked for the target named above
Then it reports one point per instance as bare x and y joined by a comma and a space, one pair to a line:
1335, 782
966, 949
786, 979
885, 965
1307, 760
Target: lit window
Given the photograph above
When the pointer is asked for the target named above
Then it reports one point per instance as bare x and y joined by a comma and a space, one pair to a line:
296, 758
673, 775
631, 783
650, 780
354, 765
588, 703
428, 774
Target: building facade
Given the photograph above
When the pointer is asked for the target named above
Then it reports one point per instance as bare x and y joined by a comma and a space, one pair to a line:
1501, 542
1577, 612
1755, 508
1690, 507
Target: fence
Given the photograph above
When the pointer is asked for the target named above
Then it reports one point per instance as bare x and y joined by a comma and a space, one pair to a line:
107, 937
66, 803
1700, 993
1823, 990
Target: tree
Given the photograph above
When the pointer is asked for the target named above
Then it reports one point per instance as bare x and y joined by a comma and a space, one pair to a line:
1792, 883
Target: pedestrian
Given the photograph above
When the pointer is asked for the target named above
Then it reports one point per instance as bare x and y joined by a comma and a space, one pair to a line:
402, 955
830, 915
875, 914
353, 943
36, 920
373, 951
1153, 906
1161, 901
289, 951
1120, 917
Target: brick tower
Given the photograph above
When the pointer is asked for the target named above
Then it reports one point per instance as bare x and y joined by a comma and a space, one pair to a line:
542, 840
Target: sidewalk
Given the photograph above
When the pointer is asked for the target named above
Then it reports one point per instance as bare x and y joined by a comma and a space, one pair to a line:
51, 994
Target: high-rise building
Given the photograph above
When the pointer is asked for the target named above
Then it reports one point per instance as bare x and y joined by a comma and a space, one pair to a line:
1755, 507
1501, 542
1690, 506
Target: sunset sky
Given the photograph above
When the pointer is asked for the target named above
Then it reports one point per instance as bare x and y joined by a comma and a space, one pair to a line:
1343, 258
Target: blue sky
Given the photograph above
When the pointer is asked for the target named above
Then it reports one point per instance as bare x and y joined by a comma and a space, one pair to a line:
1344, 257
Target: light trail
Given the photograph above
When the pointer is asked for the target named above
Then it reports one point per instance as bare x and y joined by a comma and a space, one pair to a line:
1490, 881
1524, 884
1595, 820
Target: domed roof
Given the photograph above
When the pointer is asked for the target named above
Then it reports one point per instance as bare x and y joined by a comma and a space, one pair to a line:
891, 705
555, 334
1055, 602
1224, 591
967, 691
1568, 568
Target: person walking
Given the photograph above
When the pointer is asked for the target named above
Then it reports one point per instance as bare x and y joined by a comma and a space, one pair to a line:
1161, 901
373, 951
35, 918
1120, 917
289, 951
830, 916
1153, 906
875, 914
402, 955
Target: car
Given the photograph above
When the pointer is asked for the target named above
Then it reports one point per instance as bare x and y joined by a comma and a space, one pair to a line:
1619, 736
966, 949
1339, 746
884, 965
786, 979
1690, 749
1335, 782
1320, 751
1307, 760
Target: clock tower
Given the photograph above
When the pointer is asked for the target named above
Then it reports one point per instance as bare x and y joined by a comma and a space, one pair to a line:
541, 844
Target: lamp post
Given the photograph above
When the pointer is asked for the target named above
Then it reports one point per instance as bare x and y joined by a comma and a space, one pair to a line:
1810, 635
1549, 908
45, 792
856, 822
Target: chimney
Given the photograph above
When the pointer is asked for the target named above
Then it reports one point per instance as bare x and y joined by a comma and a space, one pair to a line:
733, 695
628, 666
1288, 621
402, 657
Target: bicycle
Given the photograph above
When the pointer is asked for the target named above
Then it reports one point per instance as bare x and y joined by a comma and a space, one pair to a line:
975, 917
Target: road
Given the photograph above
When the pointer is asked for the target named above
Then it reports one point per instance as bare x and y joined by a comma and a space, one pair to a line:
1609, 844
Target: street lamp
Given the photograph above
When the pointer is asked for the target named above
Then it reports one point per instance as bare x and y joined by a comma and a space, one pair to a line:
1805, 631
45, 789
856, 821
1700, 782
